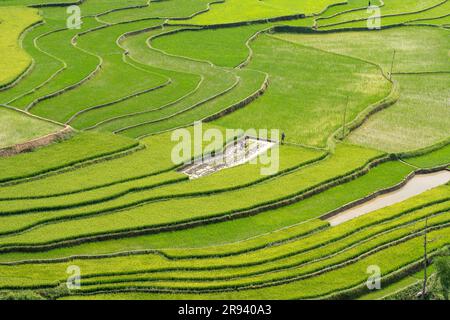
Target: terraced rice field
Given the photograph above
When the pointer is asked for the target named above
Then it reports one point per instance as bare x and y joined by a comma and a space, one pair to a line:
17, 127
92, 117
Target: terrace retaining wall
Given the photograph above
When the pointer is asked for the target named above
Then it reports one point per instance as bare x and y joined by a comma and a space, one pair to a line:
36, 143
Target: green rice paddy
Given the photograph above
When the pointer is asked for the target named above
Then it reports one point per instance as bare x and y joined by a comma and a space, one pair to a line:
358, 114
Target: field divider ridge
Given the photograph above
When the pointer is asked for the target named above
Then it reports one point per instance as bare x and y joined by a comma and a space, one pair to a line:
199, 221
270, 283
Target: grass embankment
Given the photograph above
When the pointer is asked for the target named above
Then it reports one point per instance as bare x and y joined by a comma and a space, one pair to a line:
327, 283
58, 44
187, 43
412, 52
249, 83
428, 111
346, 160
331, 246
114, 71
392, 12
81, 147
244, 275
214, 82
431, 159
58, 64
249, 10
215, 93
128, 194
158, 9
443, 21
52, 45
300, 91
408, 281
155, 158
124, 207
396, 128
384, 176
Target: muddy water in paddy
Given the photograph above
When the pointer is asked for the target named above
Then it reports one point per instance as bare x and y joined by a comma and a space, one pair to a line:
417, 185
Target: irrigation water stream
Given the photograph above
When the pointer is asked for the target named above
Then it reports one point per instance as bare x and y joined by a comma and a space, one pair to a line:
417, 185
